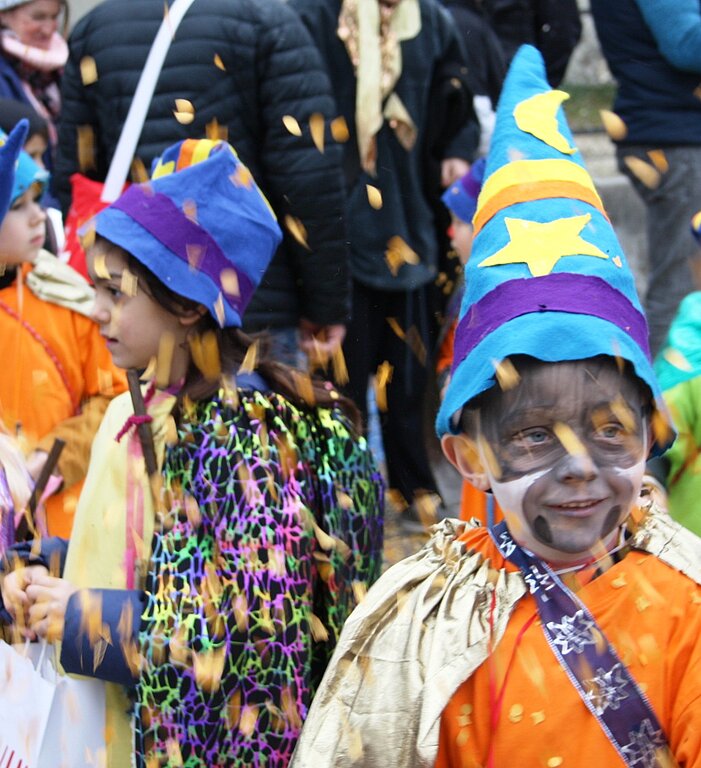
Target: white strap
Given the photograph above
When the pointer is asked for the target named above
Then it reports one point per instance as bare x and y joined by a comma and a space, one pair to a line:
129, 138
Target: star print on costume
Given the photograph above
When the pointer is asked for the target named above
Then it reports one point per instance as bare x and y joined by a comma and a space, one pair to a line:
606, 689
645, 746
541, 245
573, 633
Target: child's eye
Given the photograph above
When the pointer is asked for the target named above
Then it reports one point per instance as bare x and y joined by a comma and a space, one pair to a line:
611, 431
534, 436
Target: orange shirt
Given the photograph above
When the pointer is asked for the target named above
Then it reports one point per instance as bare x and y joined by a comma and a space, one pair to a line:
57, 374
649, 612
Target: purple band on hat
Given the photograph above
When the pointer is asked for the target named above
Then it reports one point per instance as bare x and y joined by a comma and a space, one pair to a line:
560, 292
162, 218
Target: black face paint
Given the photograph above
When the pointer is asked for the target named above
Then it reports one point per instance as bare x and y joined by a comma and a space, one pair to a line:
541, 528
611, 520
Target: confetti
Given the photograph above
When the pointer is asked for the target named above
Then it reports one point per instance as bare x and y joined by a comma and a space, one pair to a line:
516, 713
205, 354
216, 132
646, 174
219, 312
249, 718
86, 148
659, 160
250, 359
184, 111
507, 375
292, 125
88, 70
318, 630
339, 130
219, 63
676, 358
570, 442
538, 717
316, 127
613, 124
297, 230
129, 283
100, 267
164, 359
382, 378
399, 253
554, 762
374, 196
340, 369
194, 254
139, 174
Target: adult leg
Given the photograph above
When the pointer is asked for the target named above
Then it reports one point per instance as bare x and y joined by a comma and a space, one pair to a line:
670, 206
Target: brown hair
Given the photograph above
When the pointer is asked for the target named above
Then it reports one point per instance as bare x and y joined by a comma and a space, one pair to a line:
233, 344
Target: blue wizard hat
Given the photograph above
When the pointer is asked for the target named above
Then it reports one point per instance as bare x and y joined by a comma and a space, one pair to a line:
10, 148
201, 225
547, 276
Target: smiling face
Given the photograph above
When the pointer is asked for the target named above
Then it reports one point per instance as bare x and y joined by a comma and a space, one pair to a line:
35, 22
564, 452
23, 229
135, 326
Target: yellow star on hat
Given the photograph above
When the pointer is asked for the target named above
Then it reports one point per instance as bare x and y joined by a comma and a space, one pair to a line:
541, 245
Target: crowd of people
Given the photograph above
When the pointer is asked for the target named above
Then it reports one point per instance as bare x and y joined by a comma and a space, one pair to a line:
325, 209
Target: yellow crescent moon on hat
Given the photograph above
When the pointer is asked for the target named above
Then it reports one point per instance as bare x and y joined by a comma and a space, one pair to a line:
537, 116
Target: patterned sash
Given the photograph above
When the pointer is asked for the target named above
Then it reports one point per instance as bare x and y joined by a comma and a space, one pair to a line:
593, 666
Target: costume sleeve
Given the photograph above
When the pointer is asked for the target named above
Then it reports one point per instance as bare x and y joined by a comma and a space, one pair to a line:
99, 635
345, 491
101, 382
304, 182
676, 27
682, 402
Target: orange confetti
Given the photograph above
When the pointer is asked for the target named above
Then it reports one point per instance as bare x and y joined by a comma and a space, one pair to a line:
382, 378
100, 267
208, 667
216, 132
647, 174
316, 127
88, 70
339, 130
129, 283
570, 442
218, 62
399, 253
164, 359
139, 174
340, 369
507, 375
319, 632
184, 111
676, 358
250, 359
374, 196
659, 160
86, 148
613, 124
297, 230
292, 125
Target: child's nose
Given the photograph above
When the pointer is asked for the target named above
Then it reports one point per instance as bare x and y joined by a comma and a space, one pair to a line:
576, 467
38, 214
99, 312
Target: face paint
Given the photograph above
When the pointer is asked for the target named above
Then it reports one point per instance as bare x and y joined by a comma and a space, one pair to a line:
569, 470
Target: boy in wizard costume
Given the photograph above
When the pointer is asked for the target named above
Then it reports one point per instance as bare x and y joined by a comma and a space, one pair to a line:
570, 634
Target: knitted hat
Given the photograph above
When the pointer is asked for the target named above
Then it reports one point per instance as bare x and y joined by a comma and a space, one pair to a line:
461, 196
10, 148
201, 225
547, 277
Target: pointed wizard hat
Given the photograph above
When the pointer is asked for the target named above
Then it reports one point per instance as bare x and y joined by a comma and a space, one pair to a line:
547, 276
10, 147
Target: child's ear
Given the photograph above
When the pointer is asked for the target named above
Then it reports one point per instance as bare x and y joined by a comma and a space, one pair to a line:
192, 316
461, 451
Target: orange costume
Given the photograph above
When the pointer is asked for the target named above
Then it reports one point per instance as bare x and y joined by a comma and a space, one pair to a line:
521, 705
57, 381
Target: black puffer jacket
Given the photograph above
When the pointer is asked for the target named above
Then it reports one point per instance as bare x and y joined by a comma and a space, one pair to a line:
246, 64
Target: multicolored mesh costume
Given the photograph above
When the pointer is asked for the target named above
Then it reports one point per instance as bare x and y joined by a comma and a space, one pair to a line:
272, 529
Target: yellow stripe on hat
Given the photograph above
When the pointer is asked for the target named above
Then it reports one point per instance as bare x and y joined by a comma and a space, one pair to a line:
524, 180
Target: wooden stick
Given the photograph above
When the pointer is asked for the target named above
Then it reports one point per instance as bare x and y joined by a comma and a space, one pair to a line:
143, 430
26, 523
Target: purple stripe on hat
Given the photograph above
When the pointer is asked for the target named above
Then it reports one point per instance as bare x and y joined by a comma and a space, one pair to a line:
162, 218
560, 292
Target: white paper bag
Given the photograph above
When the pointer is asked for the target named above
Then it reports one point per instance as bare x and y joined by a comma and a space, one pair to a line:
26, 698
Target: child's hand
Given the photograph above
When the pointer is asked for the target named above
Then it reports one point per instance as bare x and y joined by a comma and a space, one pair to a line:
14, 595
48, 597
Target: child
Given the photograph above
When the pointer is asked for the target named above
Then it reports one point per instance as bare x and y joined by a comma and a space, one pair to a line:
678, 367
569, 634
224, 602
58, 377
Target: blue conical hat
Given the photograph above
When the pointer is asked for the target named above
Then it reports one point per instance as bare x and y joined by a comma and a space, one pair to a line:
10, 147
547, 276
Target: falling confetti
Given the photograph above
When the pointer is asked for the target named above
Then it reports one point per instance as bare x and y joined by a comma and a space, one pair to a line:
164, 360
184, 111
250, 359
88, 70
339, 130
382, 378
230, 282
374, 196
647, 174
86, 148
507, 375
219, 63
316, 127
129, 283
399, 253
613, 125
659, 160
297, 230
292, 125
570, 442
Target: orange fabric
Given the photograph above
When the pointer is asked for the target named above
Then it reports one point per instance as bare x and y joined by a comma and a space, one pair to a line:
474, 503
652, 616
533, 191
35, 398
445, 351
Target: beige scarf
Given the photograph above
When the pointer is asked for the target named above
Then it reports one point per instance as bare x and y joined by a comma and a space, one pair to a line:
372, 34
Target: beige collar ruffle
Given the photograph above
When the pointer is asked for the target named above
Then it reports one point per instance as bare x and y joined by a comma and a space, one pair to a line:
372, 34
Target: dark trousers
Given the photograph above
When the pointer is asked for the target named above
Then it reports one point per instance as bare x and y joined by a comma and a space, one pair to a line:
370, 341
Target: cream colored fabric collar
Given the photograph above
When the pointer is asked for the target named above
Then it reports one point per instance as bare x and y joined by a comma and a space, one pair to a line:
52, 280
421, 631
372, 35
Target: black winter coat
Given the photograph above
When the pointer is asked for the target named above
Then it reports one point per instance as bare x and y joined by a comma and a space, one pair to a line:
245, 64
